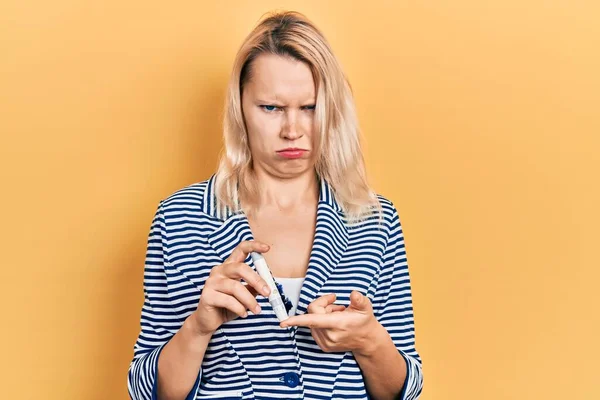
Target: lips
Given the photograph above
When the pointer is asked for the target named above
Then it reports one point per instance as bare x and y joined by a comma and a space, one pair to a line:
292, 153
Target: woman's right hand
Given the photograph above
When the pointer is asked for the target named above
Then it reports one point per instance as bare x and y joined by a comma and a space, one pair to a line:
224, 296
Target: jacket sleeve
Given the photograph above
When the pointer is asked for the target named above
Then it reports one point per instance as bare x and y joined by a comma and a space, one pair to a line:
159, 321
393, 306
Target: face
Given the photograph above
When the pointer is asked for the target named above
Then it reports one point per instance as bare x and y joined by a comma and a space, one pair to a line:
278, 104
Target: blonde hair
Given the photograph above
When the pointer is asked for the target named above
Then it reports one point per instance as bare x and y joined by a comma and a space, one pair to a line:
339, 158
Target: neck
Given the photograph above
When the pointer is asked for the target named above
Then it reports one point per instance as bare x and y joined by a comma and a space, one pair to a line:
288, 193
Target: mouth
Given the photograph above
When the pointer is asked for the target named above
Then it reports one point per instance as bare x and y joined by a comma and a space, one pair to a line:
292, 152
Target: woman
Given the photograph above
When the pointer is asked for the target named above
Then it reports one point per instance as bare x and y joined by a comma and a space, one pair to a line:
291, 185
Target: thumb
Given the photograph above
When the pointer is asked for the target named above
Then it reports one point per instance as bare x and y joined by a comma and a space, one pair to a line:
359, 302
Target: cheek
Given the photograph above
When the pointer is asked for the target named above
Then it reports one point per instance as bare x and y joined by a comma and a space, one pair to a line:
262, 127
308, 123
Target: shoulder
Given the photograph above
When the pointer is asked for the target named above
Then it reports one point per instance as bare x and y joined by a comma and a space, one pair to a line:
388, 210
188, 197
390, 218
387, 206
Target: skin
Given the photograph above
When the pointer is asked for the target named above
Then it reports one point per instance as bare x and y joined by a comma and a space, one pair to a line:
278, 106
336, 328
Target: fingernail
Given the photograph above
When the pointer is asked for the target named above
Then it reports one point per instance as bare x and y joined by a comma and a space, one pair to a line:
266, 291
245, 315
265, 246
257, 309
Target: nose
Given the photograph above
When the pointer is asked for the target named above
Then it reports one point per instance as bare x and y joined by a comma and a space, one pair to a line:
291, 129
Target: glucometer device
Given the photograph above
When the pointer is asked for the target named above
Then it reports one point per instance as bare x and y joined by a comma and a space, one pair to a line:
275, 297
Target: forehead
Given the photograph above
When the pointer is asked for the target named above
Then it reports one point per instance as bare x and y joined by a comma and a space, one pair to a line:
281, 78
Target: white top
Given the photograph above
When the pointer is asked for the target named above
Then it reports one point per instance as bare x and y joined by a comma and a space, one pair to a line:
291, 288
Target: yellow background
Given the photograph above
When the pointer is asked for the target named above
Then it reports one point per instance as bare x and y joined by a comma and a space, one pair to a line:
481, 122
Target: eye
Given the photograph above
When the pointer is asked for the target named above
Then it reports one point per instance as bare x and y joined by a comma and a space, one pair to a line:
269, 108
309, 108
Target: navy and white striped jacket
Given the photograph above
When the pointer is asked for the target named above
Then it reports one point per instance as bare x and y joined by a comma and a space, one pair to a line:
253, 358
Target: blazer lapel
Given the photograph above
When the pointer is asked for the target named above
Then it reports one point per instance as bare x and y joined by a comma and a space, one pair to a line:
229, 234
232, 230
330, 243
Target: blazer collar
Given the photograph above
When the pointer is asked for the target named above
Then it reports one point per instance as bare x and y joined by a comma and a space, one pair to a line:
212, 207
329, 243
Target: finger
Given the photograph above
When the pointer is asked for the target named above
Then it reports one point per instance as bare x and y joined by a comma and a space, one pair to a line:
359, 302
221, 300
245, 272
326, 321
334, 308
242, 250
320, 339
319, 305
249, 288
324, 341
240, 292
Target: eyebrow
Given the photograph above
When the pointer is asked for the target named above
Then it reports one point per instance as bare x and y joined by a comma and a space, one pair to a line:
275, 102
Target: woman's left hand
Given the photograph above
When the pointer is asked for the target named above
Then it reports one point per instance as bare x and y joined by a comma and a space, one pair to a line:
336, 328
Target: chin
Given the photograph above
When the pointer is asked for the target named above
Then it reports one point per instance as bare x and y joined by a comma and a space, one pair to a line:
292, 168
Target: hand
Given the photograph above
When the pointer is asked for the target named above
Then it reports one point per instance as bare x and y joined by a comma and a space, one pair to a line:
224, 296
336, 328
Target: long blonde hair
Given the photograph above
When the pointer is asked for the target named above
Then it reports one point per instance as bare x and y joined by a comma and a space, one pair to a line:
339, 155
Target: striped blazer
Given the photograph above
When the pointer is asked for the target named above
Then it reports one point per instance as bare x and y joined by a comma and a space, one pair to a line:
253, 358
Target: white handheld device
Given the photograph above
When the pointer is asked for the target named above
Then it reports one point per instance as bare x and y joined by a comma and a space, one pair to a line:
274, 298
